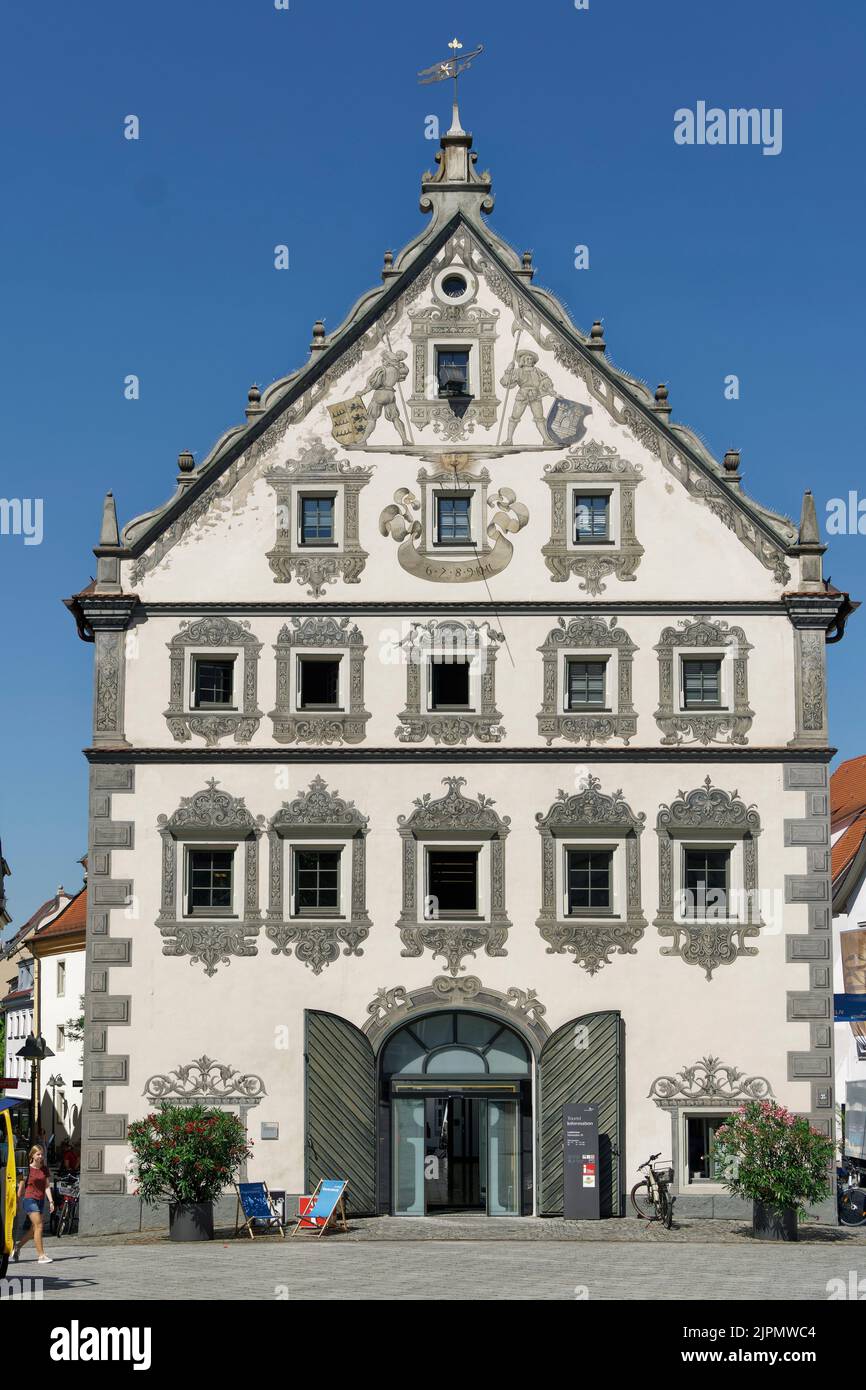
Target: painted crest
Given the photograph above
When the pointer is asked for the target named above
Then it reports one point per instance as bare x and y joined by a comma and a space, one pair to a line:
566, 422
349, 421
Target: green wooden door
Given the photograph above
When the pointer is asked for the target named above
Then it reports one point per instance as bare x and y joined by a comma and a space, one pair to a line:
581, 1063
340, 1108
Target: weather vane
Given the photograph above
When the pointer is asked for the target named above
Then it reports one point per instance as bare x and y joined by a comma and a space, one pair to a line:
451, 67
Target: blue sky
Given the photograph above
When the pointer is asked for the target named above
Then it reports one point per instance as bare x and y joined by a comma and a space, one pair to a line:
306, 127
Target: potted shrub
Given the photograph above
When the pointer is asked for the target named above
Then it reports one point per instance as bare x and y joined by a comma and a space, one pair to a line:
186, 1155
776, 1160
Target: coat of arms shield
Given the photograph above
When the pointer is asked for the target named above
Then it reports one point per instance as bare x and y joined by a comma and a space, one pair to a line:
566, 421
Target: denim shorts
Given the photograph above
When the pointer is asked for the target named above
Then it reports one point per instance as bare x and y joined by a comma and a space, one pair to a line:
33, 1204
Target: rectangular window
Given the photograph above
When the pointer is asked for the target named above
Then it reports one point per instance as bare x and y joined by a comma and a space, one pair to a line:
591, 518
589, 880
61, 978
700, 1132
702, 684
316, 881
706, 874
449, 684
210, 880
319, 683
213, 682
61, 1038
452, 371
452, 882
585, 684
317, 520
454, 519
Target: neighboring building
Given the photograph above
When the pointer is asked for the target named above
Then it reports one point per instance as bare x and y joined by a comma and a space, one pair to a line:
17, 971
58, 948
5, 872
848, 832
459, 751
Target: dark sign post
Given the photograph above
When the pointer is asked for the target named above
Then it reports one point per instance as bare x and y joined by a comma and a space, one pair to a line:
580, 1162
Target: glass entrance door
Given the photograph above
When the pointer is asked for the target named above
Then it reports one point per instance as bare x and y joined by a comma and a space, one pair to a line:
456, 1152
503, 1158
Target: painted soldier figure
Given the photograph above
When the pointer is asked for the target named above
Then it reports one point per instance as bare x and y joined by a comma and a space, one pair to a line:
532, 385
383, 383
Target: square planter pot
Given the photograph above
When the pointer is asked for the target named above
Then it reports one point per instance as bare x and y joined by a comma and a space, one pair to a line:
190, 1221
773, 1223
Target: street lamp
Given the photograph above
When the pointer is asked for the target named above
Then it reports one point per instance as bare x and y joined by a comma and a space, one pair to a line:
34, 1051
55, 1083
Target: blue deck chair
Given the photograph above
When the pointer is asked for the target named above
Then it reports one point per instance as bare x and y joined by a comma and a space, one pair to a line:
254, 1200
328, 1207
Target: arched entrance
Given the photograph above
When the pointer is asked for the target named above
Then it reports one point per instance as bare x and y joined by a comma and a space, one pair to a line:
456, 1116
458, 1057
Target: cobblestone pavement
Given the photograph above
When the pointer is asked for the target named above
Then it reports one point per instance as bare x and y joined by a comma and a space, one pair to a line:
363, 1268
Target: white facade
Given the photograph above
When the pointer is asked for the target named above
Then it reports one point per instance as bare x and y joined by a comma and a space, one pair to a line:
687, 570
61, 988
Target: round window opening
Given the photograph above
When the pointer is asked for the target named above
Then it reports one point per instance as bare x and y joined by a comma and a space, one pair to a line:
453, 286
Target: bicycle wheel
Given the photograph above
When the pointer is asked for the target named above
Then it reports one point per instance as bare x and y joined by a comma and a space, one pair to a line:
852, 1207
667, 1208
63, 1222
642, 1202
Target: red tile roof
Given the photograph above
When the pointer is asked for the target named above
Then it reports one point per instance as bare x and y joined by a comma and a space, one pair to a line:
73, 918
847, 845
848, 789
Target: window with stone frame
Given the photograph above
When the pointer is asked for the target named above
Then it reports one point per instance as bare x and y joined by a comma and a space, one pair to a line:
213, 681
463, 840
592, 517
703, 833
209, 907
590, 875
318, 878
703, 683
700, 1097
450, 683
317, 492
320, 682
587, 682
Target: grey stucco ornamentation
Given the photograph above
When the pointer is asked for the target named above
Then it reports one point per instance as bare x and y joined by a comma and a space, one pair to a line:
472, 327
471, 641
318, 467
205, 1079
217, 636
706, 1085
714, 941
708, 1082
325, 635
589, 813
592, 463
574, 637
386, 1001
729, 725
454, 817
317, 941
417, 552
518, 1008
210, 815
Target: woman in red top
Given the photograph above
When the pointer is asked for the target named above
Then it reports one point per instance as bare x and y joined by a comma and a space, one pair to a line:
34, 1192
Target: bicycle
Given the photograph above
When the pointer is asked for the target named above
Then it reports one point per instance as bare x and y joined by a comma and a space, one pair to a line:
850, 1198
650, 1198
67, 1216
